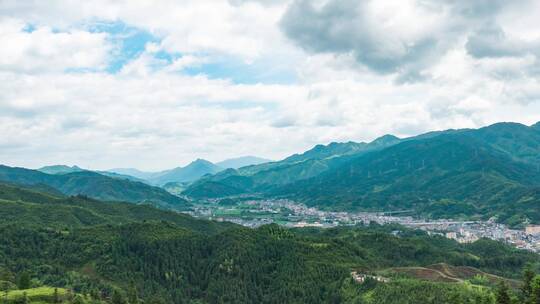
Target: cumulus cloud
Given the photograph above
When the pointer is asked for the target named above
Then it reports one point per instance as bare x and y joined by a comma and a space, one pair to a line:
494, 42
405, 38
379, 37
203, 26
42, 49
361, 69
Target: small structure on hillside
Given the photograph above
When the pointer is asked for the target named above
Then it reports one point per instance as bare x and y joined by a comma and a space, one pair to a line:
361, 277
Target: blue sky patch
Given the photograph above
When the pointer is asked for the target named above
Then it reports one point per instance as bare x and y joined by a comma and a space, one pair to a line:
29, 28
130, 41
260, 71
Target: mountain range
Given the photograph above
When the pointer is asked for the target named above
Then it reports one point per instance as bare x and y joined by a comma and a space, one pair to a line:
491, 171
63, 169
242, 161
190, 172
91, 184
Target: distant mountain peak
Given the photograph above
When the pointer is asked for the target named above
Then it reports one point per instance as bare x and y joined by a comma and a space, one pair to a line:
200, 161
510, 126
60, 169
386, 139
193, 171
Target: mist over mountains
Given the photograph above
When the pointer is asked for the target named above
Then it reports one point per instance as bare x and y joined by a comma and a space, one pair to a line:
190, 172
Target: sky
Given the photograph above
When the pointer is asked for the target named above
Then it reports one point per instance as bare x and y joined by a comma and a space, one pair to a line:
157, 84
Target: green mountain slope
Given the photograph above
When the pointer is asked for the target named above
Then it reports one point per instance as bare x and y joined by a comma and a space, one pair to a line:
63, 169
238, 162
489, 171
93, 185
59, 169
34, 208
294, 168
117, 250
465, 173
339, 149
519, 142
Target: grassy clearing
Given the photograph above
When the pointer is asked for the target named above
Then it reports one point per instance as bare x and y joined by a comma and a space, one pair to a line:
35, 295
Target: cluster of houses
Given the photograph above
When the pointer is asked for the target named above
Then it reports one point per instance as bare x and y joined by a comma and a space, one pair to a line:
362, 277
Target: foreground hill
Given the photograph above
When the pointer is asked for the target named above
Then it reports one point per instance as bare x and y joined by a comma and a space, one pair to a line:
456, 173
115, 251
93, 185
34, 208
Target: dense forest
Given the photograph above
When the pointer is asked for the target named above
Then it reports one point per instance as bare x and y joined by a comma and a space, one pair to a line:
80, 250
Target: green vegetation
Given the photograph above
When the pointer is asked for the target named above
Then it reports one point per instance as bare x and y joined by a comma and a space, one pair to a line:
31, 208
43, 294
91, 184
449, 176
493, 171
403, 291
294, 168
91, 251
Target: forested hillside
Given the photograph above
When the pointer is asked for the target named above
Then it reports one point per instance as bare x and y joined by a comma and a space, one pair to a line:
260, 178
32, 207
492, 171
92, 184
125, 253
448, 176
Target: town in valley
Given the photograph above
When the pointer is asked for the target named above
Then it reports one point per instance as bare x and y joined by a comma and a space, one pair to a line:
288, 213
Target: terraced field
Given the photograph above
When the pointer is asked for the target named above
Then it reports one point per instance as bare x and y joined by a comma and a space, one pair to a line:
451, 274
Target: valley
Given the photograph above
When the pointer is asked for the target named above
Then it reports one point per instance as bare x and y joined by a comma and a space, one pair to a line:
257, 212
269, 152
442, 217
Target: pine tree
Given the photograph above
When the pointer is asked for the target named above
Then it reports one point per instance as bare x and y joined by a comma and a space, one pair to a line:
535, 291
502, 294
117, 298
24, 280
133, 297
6, 275
526, 289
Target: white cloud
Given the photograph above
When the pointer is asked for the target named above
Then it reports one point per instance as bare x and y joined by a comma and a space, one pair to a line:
205, 26
153, 115
43, 49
